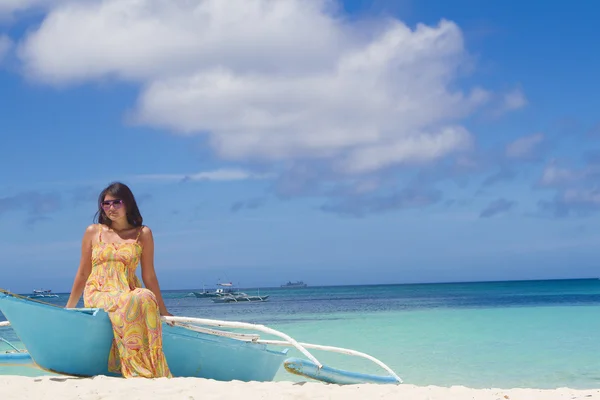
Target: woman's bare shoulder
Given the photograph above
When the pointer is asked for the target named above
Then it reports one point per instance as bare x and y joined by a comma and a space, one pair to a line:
146, 232
91, 233
92, 229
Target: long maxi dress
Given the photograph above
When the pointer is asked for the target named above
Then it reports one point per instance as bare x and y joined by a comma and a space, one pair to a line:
136, 350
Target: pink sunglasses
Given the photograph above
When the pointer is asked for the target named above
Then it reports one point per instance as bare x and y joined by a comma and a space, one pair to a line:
115, 203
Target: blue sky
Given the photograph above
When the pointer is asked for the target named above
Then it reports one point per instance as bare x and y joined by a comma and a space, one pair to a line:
351, 142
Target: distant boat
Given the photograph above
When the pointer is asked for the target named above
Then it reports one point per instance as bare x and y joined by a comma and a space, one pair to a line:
41, 293
240, 298
227, 289
204, 294
298, 284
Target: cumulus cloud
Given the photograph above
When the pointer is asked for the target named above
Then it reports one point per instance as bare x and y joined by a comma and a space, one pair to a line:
577, 191
554, 175
382, 104
514, 100
292, 84
510, 101
270, 80
524, 147
146, 39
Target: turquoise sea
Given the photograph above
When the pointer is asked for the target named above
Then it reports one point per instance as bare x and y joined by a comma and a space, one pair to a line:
541, 334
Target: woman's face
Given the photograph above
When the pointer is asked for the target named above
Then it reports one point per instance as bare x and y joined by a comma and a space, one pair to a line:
114, 208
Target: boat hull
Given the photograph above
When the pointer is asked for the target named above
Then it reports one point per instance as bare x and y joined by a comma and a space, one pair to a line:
204, 295
81, 339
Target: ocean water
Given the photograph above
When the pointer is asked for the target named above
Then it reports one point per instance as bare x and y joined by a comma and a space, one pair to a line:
540, 334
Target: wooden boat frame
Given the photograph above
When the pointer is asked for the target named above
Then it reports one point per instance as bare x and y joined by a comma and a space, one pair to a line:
311, 368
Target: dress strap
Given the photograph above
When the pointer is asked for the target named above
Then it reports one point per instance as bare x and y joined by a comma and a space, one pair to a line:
100, 233
139, 233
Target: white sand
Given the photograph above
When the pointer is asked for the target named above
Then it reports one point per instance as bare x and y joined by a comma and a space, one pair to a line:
17, 387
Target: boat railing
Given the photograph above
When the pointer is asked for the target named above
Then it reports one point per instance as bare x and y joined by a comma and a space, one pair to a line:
188, 322
5, 324
10, 344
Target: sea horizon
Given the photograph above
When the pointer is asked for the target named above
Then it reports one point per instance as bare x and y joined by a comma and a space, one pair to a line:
353, 285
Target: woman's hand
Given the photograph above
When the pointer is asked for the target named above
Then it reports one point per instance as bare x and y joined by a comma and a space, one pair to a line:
165, 313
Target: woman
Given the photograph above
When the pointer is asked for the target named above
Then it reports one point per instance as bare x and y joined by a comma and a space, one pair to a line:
110, 253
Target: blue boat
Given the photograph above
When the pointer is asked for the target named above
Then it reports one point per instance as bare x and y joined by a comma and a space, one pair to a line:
81, 339
81, 348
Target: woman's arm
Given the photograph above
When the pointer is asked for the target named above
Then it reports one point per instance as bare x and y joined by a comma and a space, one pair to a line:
148, 272
85, 266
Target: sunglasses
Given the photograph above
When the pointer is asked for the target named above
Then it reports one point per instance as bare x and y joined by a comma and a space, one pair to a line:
115, 203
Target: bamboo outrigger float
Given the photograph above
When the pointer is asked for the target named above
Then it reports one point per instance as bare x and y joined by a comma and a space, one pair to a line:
80, 342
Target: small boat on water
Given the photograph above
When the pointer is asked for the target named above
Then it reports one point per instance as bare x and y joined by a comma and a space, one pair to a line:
292, 285
41, 293
240, 298
81, 339
225, 290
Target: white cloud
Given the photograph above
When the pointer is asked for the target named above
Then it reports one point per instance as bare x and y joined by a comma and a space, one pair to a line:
417, 148
216, 175
146, 39
582, 197
508, 102
525, 146
554, 175
514, 100
270, 80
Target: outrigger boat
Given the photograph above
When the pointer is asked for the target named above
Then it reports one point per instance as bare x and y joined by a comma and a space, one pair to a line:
226, 290
42, 293
240, 298
81, 339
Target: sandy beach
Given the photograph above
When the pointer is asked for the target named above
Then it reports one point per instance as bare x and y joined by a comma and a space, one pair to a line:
101, 387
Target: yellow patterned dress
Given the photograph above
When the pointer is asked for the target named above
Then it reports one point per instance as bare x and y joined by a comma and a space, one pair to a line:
112, 285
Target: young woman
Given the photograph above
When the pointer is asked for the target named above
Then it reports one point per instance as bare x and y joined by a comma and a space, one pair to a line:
110, 253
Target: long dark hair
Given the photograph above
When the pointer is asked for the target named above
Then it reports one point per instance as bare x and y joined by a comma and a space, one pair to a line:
120, 191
